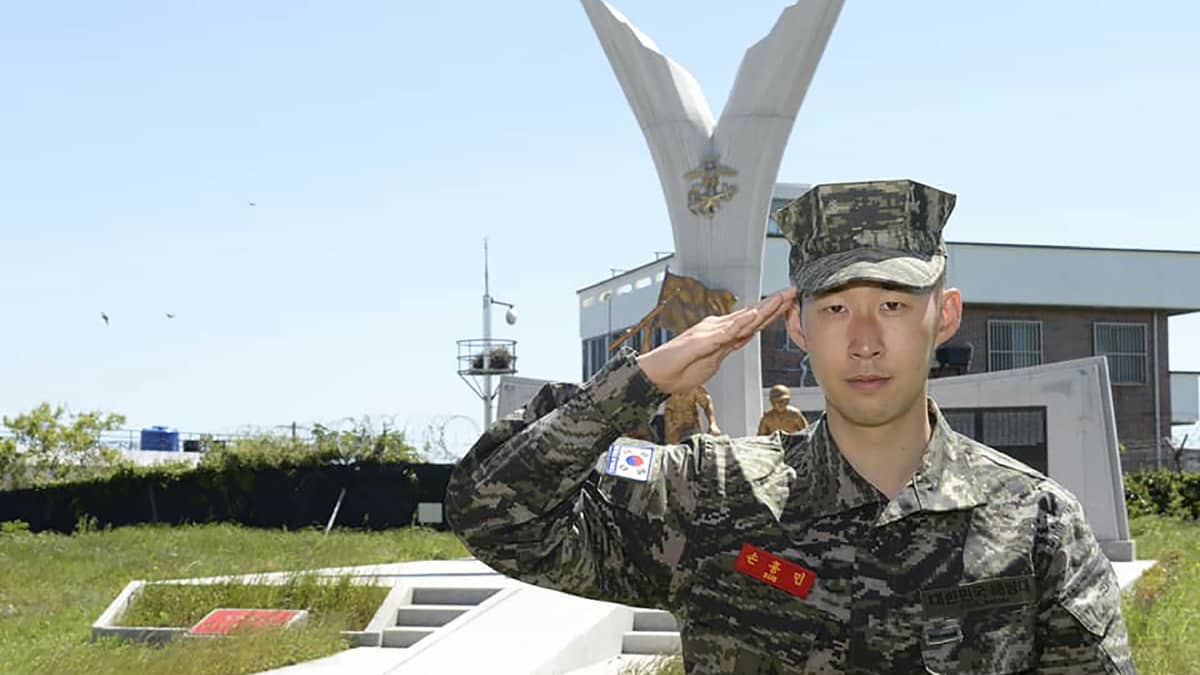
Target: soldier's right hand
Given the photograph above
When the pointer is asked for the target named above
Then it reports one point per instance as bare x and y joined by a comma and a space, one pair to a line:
694, 356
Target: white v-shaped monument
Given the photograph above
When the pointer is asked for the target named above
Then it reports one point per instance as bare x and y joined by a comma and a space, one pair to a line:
718, 175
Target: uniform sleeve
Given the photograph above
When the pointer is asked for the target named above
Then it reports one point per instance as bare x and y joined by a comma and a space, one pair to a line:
530, 501
1080, 627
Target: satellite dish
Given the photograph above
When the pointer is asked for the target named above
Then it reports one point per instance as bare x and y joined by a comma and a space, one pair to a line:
510, 316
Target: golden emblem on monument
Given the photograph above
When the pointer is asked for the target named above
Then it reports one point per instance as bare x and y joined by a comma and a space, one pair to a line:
706, 196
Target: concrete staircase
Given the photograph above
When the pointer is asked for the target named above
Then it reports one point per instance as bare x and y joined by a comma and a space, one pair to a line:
654, 633
430, 609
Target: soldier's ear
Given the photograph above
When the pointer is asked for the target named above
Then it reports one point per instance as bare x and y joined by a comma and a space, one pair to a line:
950, 310
795, 327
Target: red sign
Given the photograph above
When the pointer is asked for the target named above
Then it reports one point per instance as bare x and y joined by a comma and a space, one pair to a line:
780, 573
224, 621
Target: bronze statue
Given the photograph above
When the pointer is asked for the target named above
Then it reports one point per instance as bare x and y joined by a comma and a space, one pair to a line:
781, 416
682, 414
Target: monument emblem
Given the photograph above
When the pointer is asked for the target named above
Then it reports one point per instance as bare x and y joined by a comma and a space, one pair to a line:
719, 227
705, 197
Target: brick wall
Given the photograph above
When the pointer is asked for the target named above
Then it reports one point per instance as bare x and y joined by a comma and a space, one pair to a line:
1067, 334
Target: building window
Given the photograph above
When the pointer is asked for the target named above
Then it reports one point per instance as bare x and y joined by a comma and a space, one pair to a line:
1014, 344
1019, 433
595, 355
1124, 344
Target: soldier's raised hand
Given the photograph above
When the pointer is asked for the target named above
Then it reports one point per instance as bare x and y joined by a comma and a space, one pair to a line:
694, 356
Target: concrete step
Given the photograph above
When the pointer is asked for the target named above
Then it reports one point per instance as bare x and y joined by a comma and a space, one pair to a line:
403, 636
451, 595
654, 619
650, 642
429, 615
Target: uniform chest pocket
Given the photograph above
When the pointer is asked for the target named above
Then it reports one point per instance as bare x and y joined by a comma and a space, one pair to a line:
985, 642
752, 662
720, 649
760, 629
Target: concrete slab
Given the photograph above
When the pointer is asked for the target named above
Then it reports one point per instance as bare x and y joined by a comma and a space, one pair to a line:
1129, 572
356, 660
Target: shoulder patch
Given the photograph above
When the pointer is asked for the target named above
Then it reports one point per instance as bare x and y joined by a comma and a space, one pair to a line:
629, 460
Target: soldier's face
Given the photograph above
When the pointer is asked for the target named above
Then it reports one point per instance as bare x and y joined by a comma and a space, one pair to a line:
869, 347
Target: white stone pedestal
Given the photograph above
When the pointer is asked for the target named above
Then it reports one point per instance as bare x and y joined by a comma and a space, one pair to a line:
729, 166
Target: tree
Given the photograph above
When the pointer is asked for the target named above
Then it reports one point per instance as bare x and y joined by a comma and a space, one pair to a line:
12, 469
50, 444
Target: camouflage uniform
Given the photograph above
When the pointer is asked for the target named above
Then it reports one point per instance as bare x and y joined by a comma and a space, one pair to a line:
979, 565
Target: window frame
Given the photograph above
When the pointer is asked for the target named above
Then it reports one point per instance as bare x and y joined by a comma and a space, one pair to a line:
1144, 354
590, 349
992, 351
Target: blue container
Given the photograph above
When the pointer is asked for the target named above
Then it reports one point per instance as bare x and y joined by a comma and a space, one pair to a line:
161, 439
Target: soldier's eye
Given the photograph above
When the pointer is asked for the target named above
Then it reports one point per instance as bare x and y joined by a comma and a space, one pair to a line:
835, 309
893, 305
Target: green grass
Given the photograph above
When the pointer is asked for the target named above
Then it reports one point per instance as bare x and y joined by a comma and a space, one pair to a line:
663, 665
1162, 612
53, 586
182, 605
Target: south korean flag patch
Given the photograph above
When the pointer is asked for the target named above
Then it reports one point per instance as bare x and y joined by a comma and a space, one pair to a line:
631, 462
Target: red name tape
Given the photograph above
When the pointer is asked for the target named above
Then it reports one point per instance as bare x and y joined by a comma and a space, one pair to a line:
780, 573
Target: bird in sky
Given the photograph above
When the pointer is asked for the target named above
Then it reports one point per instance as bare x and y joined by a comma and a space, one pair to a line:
169, 315
105, 317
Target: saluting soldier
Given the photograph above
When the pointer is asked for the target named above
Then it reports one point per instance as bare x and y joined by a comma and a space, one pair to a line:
876, 541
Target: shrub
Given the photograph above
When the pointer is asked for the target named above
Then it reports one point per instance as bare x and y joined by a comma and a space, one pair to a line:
1163, 493
359, 444
499, 359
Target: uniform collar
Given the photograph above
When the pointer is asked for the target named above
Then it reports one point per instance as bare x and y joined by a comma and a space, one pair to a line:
943, 482
827, 484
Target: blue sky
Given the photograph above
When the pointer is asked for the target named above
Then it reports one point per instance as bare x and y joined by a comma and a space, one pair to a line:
381, 141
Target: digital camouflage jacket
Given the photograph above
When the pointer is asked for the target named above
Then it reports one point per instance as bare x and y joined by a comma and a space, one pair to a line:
775, 556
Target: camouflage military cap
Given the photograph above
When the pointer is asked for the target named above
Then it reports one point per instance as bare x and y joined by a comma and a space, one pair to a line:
885, 231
